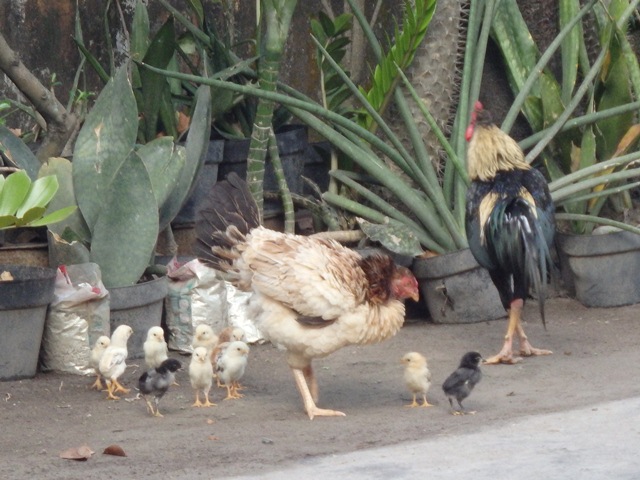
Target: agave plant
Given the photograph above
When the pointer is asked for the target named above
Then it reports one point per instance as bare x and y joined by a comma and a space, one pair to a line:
577, 150
432, 206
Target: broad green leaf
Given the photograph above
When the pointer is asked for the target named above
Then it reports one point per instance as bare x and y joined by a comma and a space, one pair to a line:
394, 236
125, 233
164, 166
40, 194
55, 216
30, 215
17, 151
104, 143
14, 191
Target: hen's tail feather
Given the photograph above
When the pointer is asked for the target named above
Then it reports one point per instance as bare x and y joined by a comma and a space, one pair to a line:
517, 243
227, 214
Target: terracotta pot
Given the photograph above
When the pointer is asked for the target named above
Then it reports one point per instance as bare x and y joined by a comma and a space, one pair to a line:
456, 289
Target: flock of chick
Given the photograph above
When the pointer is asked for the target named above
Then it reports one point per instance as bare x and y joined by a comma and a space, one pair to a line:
222, 356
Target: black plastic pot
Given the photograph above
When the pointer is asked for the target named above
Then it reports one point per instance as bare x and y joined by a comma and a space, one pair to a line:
140, 307
604, 270
23, 310
456, 289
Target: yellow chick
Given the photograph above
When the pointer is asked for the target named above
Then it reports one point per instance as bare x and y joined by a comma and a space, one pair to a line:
204, 336
201, 375
155, 348
230, 367
417, 377
231, 334
94, 361
113, 362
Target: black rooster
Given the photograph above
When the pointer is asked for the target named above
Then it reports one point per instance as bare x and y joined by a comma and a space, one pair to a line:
510, 224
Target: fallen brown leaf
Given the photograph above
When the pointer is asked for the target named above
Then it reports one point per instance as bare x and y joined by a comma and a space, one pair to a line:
81, 453
114, 450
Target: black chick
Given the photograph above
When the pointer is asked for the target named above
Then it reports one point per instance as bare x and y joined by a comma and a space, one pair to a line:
461, 382
156, 382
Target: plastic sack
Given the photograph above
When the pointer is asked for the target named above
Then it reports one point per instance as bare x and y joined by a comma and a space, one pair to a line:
196, 295
77, 317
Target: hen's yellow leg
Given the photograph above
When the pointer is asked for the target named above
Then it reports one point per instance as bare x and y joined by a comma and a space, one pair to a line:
207, 403
197, 403
312, 383
425, 403
309, 405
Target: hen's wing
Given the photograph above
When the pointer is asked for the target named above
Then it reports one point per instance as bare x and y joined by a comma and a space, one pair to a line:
315, 277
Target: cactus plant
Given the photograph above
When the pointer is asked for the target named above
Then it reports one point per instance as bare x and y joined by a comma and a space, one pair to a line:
127, 194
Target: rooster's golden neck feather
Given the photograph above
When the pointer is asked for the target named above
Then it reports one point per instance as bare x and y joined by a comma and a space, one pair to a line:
490, 151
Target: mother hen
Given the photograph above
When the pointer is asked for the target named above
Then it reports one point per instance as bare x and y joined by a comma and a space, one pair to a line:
311, 296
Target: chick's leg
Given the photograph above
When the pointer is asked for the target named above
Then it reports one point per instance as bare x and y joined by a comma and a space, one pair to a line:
414, 403
110, 389
97, 385
149, 406
157, 412
120, 388
207, 403
525, 347
425, 403
307, 398
506, 354
197, 403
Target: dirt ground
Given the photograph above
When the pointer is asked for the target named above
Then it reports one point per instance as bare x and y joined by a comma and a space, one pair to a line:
595, 357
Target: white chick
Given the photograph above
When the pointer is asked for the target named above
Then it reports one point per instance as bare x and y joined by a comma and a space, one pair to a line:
201, 375
417, 377
204, 336
227, 335
230, 367
94, 361
156, 350
113, 361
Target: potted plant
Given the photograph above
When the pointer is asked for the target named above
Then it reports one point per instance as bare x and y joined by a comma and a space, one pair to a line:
126, 195
427, 209
25, 291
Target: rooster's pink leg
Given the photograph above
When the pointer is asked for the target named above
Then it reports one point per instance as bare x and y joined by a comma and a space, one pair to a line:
525, 347
506, 354
309, 405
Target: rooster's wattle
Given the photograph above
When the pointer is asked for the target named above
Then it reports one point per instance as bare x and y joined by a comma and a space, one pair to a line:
510, 224
311, 296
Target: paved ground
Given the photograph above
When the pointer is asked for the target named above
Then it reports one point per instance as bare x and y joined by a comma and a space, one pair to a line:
596, 443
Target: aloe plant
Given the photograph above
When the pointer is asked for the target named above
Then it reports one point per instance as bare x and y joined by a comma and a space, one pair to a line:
126, 194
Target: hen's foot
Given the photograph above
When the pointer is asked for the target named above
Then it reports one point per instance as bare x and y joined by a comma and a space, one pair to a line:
321, 412
97, 385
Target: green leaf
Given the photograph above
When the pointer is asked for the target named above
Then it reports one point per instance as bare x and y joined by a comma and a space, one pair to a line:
17, 152
125, 233
104, 143
164, 166
394, 236
40, 194
14, 191
54, 217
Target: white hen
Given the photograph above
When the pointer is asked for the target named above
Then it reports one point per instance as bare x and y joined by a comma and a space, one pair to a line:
113, 362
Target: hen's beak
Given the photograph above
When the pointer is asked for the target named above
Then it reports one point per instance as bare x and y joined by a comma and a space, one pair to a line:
415, 297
